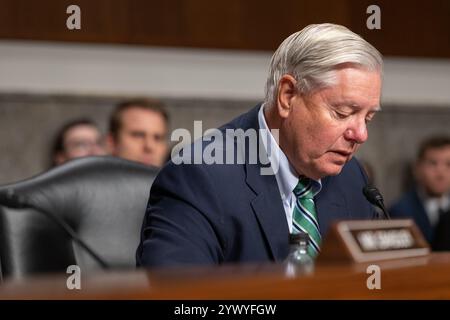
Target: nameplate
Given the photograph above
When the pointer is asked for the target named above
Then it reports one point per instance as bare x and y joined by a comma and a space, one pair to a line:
373, 240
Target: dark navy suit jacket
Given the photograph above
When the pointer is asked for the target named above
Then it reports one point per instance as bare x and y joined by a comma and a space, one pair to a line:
410, 206
212, 214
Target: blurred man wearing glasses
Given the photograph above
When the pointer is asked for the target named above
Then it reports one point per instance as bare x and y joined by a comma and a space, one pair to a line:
76, 139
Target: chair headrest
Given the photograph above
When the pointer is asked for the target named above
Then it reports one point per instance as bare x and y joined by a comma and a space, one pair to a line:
77, 180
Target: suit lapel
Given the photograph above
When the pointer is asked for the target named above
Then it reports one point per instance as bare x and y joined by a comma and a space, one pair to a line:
421, 216
269, 211
267, 204
268, 208
330, 205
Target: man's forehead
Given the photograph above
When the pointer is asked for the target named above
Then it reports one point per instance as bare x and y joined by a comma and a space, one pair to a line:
81, 130
356, 92
136, 123
436, 151
136, 111
142, 116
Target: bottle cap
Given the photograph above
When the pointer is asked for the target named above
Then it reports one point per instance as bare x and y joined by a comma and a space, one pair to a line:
298, 238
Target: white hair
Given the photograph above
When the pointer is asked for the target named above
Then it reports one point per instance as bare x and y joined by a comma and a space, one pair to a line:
313, 54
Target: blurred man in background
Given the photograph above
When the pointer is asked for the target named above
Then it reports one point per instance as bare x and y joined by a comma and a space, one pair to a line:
138, 132
429, 202
78, 138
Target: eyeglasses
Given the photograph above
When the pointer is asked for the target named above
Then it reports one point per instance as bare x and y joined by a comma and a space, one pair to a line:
83, 145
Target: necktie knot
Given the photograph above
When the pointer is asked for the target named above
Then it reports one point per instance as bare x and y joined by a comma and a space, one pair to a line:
303, 189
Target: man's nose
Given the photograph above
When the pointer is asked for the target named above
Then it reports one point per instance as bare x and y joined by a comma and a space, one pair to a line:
149, 144
357, 132
443, 168
99, 151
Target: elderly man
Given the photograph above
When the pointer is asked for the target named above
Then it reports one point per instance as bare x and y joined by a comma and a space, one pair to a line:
323, 88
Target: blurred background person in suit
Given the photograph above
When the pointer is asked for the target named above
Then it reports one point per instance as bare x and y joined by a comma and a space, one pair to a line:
138, 132
428, 203
77, 138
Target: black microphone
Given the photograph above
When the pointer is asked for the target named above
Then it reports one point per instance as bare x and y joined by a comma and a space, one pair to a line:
15, 201
374, 196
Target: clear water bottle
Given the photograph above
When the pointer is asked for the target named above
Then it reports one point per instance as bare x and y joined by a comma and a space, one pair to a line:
299, 262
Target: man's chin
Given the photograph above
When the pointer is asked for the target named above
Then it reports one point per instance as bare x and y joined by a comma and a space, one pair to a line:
436, 192
336, 172
329, 170
148, 162
322, 169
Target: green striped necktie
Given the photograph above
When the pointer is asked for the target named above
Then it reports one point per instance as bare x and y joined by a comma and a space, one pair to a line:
304, 217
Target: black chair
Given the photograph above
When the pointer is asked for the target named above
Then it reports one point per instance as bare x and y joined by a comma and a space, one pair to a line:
103, 199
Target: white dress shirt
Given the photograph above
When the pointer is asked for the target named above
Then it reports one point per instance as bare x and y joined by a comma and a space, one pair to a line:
285, 174
433, 206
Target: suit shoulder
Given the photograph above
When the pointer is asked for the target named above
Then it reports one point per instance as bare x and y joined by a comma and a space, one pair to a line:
353, 172
406, 204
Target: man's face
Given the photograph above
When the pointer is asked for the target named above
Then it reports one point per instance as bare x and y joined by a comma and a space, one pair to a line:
433, 171
324, 129
81, 141
142, 137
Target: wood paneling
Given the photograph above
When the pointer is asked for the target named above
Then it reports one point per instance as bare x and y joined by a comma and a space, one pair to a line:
408, 28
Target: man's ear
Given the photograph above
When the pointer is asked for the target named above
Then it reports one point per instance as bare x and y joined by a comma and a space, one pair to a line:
59, 158
287, 91
416, 170
110, 144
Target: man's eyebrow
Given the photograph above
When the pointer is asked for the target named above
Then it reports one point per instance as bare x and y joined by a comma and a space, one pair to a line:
137, 131
356, 106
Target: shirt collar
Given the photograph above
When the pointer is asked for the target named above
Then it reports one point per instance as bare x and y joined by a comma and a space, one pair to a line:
286, 176
430, 203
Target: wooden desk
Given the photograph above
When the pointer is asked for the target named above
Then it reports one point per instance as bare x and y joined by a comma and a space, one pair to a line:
424, 278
